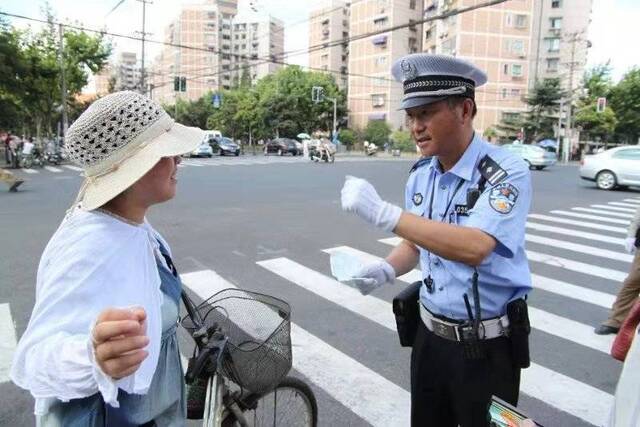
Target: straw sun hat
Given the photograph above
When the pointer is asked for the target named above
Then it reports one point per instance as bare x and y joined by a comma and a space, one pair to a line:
118, 139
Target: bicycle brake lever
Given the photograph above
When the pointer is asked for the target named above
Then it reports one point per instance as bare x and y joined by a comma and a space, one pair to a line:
195, 369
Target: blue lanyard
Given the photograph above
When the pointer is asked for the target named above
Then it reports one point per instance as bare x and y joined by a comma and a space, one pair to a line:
453, 196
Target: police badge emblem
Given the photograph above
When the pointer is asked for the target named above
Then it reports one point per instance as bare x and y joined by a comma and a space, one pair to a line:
417, 199
503, 197
409, 70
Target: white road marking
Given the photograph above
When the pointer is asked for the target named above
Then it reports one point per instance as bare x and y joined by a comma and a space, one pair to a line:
614, 208
73, 168
351, 299
575, 233
27, 170
603, 212
634, 201
593, 217
345, 379
591, 225
575, 247
53, 169
8, 342
580, 267
624, 205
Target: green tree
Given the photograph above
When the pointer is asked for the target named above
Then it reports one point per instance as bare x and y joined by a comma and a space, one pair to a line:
377, 132
402, 141
347, 137
594, 125
625, 101
12, 68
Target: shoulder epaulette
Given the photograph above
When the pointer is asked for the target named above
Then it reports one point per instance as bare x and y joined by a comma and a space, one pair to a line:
423, 161
491, 171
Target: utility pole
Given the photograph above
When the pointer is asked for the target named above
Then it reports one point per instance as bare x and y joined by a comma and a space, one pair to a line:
143, 34
574, 38
559, 138
63, 93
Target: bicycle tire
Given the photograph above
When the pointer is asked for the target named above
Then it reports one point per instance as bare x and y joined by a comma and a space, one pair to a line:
264, 406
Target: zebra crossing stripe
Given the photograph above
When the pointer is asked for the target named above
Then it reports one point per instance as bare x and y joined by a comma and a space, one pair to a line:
603, 212
624, 205
593, 217
73, 168
591, 225
53, 169
8, 341
575, 247
27, 170
580, 267
634, 201
613, 208
345, 379
352, 300
575, 233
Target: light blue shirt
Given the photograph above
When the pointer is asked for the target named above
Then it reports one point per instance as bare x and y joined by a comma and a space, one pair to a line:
500, 211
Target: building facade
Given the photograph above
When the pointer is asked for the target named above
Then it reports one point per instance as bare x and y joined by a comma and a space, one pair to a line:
498, 40
373, 95
127, 72
328, 23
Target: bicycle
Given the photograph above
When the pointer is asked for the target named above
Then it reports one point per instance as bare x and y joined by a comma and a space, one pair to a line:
237, 375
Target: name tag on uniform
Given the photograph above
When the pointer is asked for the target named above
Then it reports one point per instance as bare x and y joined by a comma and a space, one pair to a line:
461, 210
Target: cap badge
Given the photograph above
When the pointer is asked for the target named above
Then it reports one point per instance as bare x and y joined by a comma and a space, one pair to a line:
409, 70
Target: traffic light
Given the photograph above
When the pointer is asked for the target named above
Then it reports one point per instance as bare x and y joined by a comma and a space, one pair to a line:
183, 84
176, 84
602, 104
317, 93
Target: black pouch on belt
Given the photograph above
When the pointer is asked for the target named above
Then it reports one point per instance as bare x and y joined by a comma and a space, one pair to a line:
405, 308
519, 329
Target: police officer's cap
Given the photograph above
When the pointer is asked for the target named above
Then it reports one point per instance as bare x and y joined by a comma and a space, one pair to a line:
428, 78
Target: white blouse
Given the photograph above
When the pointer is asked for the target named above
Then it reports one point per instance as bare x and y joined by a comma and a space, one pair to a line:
92, 262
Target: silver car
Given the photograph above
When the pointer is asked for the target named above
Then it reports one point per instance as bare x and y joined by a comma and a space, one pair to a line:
535, 156
618, 166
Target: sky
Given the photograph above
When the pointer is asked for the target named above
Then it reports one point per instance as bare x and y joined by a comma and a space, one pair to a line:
613, 31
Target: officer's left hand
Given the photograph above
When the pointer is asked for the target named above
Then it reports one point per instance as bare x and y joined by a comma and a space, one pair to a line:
360, 197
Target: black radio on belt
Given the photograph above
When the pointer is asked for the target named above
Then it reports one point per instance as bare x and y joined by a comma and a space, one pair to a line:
405, 309
519, 329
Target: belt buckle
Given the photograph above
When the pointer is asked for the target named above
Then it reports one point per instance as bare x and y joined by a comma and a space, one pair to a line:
445, 331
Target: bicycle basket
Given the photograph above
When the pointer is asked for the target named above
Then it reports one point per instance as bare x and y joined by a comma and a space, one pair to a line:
258, 328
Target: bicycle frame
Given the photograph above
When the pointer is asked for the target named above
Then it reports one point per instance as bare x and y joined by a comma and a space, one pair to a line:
213, 405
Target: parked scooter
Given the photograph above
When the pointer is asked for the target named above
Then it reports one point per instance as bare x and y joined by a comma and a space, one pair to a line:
52, 157
371, 149
32, 159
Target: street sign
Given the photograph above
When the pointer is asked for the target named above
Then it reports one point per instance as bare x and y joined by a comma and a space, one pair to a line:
216, 100
602, 104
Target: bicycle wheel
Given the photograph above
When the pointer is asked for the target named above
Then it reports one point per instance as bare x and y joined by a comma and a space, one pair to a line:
291, 404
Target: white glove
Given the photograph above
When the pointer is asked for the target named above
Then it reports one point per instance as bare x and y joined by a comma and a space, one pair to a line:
372, 276
630, 244
360, 197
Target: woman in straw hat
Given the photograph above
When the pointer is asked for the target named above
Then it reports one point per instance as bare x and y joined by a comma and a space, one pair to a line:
101, 346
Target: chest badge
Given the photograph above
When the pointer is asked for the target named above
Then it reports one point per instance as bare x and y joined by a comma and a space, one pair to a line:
417, 199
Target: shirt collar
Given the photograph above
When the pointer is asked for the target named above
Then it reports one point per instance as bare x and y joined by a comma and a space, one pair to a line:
465, 166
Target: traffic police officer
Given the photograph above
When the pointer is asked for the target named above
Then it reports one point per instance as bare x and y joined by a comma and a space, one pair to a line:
466, 204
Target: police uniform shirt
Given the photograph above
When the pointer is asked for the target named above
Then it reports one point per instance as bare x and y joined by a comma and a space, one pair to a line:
500, 211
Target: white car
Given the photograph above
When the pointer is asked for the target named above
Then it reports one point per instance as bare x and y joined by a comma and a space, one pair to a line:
535, 156
618, 166
203, 150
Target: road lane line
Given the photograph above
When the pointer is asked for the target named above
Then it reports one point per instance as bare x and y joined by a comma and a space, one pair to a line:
53, 169
575, 233
593, 217
634, 201
592, 225
8, 342
603, 212
575, 247
624, 205
613, 208
345, 379
73, 168
353, 301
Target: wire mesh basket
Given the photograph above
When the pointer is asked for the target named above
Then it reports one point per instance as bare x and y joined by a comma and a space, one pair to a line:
258, 328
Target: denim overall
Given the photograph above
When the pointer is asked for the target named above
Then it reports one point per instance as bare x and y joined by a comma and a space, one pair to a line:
164, 405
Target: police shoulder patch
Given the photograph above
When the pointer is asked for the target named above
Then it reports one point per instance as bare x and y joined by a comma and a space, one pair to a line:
503, 197
417, 199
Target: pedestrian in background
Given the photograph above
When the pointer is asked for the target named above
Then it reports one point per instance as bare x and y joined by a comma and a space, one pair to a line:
463, 223
101, 347
628, 294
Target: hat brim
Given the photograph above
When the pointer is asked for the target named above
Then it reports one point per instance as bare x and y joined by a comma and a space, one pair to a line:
178, 140
419, 101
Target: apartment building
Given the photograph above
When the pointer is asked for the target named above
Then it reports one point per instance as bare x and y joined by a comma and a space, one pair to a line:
373, 95
256, 38
498, 40
208, 28
559, 42
328, 23
127, 72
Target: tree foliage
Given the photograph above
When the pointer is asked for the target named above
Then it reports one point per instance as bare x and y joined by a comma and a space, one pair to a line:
625, 101
594, 125
377, 132
401, 140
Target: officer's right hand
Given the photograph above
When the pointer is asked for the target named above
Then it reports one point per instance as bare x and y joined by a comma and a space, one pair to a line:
373, 275
630, 244
119, 338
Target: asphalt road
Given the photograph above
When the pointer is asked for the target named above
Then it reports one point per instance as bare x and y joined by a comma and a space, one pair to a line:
262, 224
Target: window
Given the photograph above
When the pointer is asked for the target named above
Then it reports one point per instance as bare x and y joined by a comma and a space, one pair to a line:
449, 46
505, 69
211, 15
555, 4
629, 154
509, 116
552, 64
381, 60
428, 34
379, 81
555, 23
521, 21
515, 93
516, 46
226, 37
504, 93
378, 100
553, 45
516, 70
380, 22
412, 4
325, 57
